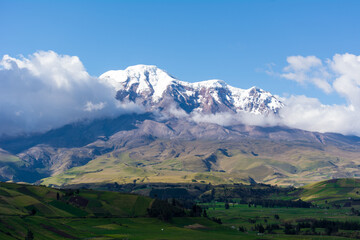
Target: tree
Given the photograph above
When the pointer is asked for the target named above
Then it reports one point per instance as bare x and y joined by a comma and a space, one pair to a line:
242, 229
331, 229
29, 235
313, 229
298, 228
217, 220
288, 229
196, 211
205, 214
33, 212
212, 194
164, 211
260, 228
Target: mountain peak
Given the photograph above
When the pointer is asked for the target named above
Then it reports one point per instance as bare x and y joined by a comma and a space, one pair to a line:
142, 68
144, 79
212, 83
156, 89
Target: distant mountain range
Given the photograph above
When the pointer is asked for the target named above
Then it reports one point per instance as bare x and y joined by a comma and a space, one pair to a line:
164, 145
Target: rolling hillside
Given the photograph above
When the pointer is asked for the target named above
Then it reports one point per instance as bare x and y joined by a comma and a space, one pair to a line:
25, 200
332, 191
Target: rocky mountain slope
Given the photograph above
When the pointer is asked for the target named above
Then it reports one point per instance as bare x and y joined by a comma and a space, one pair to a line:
183, 151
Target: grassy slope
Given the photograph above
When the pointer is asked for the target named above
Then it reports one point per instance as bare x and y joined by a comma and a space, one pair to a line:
20, 199
279, 163
116, 228
327, 193
123, 169
335, 190
10, 162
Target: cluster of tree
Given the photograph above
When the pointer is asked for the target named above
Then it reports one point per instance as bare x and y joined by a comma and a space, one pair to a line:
269, 228
260, 228
166, 193
270, 203
32, 212
292, 229
196, 211
163, 210
242, 229
69, 192
223, 193
29, 235
331, 227
355, 212
347, 225
217, 220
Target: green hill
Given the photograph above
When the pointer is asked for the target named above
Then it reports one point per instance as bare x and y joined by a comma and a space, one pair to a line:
21, 199
45, 213
332, 191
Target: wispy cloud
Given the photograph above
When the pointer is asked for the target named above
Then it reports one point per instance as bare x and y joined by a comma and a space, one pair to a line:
308, 69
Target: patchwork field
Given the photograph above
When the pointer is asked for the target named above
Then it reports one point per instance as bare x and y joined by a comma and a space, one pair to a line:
39, 212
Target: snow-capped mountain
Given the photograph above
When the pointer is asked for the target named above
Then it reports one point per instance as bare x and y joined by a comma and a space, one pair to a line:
156, 89
158, 146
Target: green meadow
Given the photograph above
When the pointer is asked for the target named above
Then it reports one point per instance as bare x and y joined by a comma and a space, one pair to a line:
39, 212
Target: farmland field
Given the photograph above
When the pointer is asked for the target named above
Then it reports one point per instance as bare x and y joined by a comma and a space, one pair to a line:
39, 212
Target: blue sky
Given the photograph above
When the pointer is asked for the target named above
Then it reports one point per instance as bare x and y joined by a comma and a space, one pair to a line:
193, 40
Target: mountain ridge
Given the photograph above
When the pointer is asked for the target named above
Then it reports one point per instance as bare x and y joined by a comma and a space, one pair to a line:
156, 89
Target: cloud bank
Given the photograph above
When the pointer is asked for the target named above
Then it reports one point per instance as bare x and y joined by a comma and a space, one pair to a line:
47, 90
341, 75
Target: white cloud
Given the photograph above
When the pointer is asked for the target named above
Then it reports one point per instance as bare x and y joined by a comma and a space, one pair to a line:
228, 118
308, 69
340, 74
89, 106
347, 80
47, 90
309, 114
